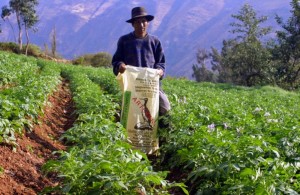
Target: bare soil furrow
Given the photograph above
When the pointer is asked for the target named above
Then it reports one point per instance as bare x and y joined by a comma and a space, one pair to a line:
22, 169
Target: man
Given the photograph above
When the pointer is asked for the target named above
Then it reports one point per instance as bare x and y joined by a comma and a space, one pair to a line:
140, 49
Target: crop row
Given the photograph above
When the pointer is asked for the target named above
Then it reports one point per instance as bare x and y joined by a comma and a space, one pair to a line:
20, 104
233, 140
224, 139
13, 68
101, 160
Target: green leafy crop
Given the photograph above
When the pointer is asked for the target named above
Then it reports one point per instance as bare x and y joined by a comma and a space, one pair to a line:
233, 140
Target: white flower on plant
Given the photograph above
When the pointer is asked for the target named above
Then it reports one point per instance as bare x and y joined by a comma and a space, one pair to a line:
267, 114
225, 125
239, 129
272, 120
211, 127
182, 100
257, 109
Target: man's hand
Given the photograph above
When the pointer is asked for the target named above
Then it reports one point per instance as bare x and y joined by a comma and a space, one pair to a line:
122, 68
160, 72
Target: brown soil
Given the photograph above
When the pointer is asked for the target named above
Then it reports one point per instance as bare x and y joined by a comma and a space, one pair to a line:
22, 169
6, 86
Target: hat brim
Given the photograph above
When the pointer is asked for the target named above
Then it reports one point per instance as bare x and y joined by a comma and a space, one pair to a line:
148, 17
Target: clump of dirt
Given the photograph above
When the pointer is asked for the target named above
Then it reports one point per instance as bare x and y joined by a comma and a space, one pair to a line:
20, 171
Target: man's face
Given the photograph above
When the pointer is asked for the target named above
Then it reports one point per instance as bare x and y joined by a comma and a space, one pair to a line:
140, 26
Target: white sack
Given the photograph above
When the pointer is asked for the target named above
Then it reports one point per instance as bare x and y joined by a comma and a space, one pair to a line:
140, 106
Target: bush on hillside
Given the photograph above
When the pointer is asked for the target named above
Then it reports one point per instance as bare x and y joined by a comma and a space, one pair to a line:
10, 47
33, 50
101, 59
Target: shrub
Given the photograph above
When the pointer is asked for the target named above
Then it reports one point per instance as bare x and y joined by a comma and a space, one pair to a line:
10, 47
33, 50
101, 59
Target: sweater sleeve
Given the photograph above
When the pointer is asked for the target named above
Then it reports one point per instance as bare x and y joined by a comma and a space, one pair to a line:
117, 57
160, 62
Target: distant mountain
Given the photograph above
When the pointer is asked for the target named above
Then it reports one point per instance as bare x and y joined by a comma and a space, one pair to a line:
90, 26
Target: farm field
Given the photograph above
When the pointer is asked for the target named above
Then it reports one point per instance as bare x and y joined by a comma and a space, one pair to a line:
60, 133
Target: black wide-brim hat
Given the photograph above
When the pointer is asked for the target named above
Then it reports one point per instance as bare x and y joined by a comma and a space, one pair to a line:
139, 12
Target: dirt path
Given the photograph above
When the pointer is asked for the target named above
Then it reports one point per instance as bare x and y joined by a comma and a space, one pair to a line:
22, 169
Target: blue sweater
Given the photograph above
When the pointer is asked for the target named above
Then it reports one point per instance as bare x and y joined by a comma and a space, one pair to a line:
139, 52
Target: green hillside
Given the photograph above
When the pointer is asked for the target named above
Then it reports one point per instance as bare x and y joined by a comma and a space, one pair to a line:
222, 139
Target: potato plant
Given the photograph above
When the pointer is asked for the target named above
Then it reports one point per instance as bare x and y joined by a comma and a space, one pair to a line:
224, 139
26, 95
101, 160
233, 140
